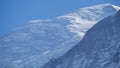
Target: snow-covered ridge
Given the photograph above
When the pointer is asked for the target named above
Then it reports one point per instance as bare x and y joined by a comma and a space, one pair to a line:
84, 18
35, 43
100, 48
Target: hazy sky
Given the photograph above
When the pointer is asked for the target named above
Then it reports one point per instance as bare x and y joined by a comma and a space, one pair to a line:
14, 13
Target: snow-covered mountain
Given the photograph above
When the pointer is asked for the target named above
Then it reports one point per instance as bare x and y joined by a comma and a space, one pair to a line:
35, 43
100, 48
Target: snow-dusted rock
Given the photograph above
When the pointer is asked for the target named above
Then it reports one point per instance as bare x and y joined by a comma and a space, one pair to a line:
100, 48
35, 43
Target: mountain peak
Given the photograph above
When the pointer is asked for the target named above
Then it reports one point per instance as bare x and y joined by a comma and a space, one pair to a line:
98, 49
98, 9
106, 7
106, 4
113, 6
88, 16
34, 43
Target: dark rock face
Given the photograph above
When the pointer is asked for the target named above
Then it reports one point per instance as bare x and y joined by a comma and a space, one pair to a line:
35, 43
100, 48
117, 17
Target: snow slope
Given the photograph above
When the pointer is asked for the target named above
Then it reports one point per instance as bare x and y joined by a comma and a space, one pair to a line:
100, 48
35, 43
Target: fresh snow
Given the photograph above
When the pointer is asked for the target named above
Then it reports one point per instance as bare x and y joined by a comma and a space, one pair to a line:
100, 48
35, 43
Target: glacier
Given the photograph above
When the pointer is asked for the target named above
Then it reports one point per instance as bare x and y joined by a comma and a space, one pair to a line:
36, 42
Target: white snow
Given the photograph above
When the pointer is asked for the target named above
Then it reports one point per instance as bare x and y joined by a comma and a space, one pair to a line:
44, 39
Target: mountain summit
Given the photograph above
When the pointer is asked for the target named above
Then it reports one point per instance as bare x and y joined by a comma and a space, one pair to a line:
84, 18
100, 48
35, 43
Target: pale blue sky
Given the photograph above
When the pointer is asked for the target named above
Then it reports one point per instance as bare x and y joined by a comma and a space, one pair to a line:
14, 13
